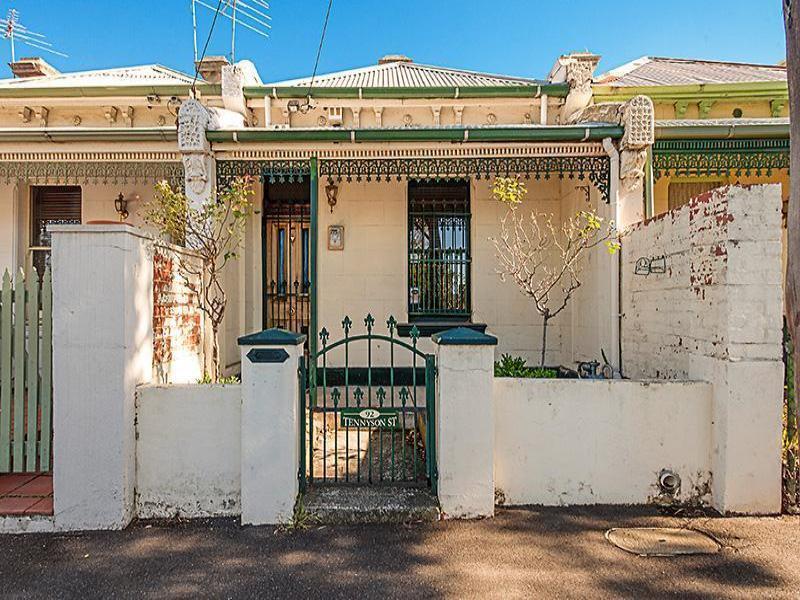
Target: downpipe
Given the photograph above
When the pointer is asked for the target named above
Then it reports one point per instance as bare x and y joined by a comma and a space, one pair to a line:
616, 265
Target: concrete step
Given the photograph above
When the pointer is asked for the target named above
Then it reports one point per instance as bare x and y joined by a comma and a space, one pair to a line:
351, 504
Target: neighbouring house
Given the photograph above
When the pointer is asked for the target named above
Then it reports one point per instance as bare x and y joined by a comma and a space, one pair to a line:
717, 123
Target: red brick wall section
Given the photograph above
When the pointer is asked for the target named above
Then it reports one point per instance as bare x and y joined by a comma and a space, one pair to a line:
714, 283
177, 318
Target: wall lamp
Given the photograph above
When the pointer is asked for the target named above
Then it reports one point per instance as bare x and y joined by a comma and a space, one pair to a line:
332, 192
121, 205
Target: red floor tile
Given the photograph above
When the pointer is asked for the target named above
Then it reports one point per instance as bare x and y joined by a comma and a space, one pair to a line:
41, 486
12, 481
43, 507
17, 506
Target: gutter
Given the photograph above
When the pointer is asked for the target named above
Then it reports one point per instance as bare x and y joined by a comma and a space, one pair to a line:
498, 91
208, 89
449, 134
755, 90
729, 132
72, 134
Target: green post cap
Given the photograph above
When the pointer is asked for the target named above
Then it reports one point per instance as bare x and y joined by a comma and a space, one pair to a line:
463, 336
272, 337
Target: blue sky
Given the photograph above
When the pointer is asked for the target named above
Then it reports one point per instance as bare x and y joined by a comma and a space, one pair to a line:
515, 37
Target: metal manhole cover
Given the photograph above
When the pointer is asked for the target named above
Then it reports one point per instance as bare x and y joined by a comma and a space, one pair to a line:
662, 541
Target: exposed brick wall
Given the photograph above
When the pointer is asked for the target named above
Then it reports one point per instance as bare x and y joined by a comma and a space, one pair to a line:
720, 293
177, 319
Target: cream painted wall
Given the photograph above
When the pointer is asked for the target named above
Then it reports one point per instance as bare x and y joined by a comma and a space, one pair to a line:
9, 215
97, 203
586, 322
510, 314
476, 111
370, 274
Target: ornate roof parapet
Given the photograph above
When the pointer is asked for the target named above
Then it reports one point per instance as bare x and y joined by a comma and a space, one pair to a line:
638, 118
233, 89
605, 112
198, 162
576, 70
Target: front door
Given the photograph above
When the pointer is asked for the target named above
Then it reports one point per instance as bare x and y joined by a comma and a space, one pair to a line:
286, 255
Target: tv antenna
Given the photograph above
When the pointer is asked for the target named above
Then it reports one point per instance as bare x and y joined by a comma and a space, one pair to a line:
15, 32
250, 14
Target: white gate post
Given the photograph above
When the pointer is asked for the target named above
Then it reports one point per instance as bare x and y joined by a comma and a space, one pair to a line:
102, 349
270, 425
465, 422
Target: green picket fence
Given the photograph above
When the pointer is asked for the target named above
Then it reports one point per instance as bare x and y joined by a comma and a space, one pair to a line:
26, 390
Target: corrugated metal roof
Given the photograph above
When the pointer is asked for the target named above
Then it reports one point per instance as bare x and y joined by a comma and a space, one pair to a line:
122, 76
721, 122
403, 73
648, 70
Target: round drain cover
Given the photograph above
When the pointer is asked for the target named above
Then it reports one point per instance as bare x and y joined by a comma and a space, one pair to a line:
662, 541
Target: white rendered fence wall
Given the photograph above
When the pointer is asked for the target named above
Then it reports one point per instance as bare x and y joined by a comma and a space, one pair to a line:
567, 441
188, 451
702, 298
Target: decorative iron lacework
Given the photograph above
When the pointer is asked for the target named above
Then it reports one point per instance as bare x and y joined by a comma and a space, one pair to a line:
273, 171
594, 168
92, 172
719, 157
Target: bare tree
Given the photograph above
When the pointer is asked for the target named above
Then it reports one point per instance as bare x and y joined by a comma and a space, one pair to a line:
542, 258
791, 14
214, 231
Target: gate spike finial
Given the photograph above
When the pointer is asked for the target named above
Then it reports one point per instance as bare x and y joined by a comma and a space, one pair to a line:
347, 324
381, 395
414, 333
391, 323
358, 395
369, 322
404, 394
336, 395
323, 336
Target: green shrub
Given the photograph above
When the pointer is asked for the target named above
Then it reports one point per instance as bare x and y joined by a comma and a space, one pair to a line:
515, 366
206, 379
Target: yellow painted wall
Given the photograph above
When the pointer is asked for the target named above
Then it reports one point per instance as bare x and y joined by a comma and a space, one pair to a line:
665, 111
661, 185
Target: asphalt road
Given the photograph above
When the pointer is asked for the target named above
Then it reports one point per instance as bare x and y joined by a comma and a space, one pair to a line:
519, 554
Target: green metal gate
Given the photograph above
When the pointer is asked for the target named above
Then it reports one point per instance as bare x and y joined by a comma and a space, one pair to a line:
367, 410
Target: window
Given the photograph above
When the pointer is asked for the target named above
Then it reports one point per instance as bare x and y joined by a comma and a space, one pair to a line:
51, 205
680, 192
439, 250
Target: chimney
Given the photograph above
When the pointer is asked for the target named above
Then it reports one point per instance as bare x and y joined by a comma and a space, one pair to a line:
210, 68
394, 58
32, 67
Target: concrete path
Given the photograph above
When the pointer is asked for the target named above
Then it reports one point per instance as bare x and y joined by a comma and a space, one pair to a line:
544, 553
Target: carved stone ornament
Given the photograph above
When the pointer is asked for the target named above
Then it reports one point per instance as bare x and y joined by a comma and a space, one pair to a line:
233, 89
196, 174
631, 168
638, 117
193, 121
579, 69
604, 112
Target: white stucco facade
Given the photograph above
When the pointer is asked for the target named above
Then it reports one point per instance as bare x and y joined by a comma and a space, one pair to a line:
188, 451
563, 442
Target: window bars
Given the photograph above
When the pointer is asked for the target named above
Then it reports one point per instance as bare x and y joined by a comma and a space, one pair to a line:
439, 250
